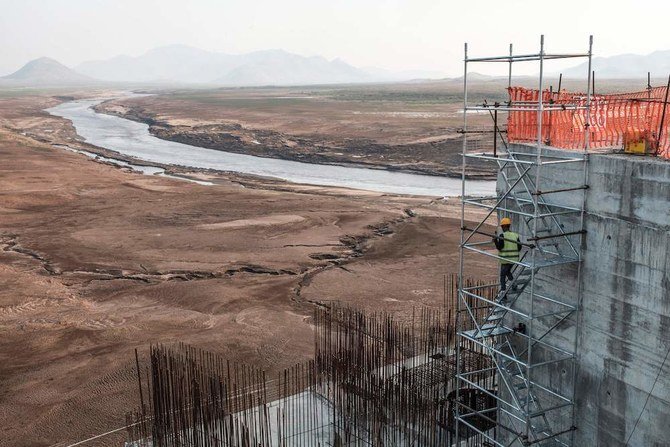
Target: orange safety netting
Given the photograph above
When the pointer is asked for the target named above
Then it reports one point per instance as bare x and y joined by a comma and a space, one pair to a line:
612, 118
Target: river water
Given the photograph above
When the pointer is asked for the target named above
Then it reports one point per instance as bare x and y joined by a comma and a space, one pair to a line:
133, 139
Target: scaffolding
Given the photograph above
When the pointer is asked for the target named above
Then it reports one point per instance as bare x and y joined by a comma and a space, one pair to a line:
530, 330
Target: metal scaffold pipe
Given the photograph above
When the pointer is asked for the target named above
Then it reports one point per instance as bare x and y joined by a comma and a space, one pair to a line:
519, 346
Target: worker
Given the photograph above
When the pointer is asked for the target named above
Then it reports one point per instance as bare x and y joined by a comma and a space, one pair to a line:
508, 244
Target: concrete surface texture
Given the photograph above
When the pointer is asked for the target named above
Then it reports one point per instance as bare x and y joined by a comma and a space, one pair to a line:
623, 338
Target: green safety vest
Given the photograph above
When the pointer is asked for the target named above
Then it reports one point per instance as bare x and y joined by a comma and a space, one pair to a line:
510, 250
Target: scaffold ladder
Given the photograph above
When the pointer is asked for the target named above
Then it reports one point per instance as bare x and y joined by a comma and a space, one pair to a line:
520, 328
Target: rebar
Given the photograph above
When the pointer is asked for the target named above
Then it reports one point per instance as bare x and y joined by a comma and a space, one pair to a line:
376, 379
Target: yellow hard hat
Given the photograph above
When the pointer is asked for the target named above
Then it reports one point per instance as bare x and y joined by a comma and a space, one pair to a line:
505, 221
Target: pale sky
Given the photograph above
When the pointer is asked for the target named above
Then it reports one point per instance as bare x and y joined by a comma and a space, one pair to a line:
391, 34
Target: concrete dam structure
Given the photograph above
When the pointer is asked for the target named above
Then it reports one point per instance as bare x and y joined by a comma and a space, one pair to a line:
622, 393
590, 333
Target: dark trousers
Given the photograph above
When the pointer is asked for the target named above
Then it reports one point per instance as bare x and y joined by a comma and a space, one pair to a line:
505, 274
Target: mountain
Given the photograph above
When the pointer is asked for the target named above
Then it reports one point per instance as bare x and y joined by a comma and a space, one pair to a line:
188, 65
175, 63
184, 64
46, 71
181, 63
279, 67
625, 66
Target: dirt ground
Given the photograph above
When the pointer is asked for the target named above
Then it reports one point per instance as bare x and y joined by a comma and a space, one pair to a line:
405, 127
96, 261
411, 127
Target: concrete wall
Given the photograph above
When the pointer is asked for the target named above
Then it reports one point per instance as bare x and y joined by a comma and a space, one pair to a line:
625, 318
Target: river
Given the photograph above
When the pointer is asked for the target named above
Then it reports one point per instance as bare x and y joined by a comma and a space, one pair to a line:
134, 139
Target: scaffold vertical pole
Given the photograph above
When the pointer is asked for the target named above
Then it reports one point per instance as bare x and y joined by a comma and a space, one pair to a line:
536, 212
460, 262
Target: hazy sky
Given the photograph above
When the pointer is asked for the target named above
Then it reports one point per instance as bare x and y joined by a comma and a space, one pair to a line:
393, 34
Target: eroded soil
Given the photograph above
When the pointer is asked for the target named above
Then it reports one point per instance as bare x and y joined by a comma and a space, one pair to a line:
410, 132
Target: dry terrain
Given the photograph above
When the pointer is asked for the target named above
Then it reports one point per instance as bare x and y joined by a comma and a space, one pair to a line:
406, 127
411, 127
96, 261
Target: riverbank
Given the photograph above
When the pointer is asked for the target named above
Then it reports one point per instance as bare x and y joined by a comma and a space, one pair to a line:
428, 151
134, 139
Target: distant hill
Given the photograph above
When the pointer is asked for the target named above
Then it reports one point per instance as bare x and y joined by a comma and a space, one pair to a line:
184, 64
625, 66
46, 71
175, 63
181, 64
278, 67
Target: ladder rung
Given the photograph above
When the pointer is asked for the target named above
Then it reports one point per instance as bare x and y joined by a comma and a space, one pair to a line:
512, 362
499, 330
541, 428
524, 400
